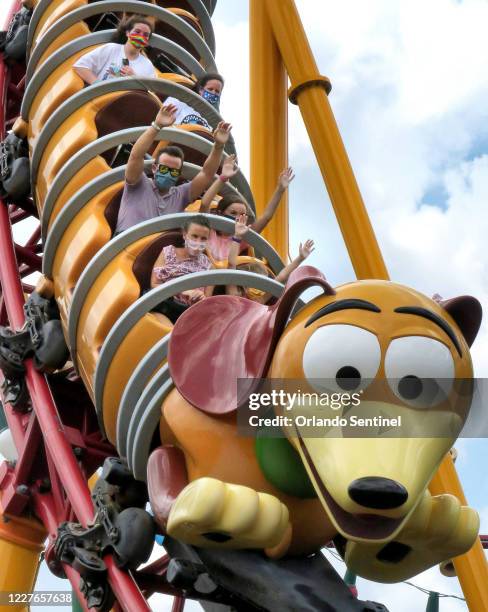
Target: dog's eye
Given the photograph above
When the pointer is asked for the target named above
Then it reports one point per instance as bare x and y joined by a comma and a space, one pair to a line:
420, 370
341, 358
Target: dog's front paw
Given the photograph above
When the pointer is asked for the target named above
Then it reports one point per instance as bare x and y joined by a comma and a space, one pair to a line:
439, 529
211, 513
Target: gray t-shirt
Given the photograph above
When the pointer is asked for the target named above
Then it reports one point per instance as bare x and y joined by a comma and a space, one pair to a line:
142, 201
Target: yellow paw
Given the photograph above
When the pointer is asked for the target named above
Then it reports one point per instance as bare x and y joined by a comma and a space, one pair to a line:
439, 529
211, 513
441, 523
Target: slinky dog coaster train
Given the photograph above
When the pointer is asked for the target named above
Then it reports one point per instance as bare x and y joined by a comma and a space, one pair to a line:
92, 377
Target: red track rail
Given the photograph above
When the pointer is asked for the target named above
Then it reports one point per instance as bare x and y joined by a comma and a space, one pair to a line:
65, 472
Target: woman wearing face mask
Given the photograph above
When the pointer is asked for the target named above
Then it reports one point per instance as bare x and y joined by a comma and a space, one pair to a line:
232, 207
209, 87
175, 262
118, 60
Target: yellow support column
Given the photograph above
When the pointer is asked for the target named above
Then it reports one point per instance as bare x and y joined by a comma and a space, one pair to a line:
21, 542
309, 90
269, 142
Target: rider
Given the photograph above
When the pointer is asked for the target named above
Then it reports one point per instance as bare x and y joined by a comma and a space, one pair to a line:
118, 60
144, 198
209, 87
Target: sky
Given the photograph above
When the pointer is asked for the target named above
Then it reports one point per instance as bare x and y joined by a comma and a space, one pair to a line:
409, 96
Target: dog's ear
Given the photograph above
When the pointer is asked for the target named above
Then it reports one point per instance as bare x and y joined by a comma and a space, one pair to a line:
467, 312
225, 338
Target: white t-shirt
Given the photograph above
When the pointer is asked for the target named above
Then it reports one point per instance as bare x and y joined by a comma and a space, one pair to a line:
106, 61
186, 114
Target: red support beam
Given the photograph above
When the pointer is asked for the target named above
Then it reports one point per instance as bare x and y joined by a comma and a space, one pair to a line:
27, 256
34, 239
19, 215
71, 477
25, 270
43, 505
28, 205
27, 288
14, 92
178, 604
55, 439
70, 488
14, 501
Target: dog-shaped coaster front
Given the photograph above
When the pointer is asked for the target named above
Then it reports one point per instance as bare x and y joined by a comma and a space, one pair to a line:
211, 487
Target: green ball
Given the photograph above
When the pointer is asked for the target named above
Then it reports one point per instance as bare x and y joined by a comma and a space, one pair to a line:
283, 468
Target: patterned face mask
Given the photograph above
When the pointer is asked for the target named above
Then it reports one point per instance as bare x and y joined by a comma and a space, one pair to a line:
195, 245
138, 41
212, 98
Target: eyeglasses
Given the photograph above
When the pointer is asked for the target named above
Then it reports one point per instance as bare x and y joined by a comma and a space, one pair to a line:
175, 172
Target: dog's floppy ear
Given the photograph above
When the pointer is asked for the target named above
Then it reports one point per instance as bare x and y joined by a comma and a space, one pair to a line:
467, 312
224, 338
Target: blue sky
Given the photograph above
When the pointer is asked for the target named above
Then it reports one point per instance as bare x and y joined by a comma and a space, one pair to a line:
409, 95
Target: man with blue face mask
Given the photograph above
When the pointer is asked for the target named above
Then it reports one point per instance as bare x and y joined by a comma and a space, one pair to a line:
144, 198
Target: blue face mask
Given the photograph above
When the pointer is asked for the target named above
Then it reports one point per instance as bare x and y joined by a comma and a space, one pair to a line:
212, 98
164, 181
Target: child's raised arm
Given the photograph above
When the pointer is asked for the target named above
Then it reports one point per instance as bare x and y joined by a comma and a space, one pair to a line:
304, 251
229, 169
284, 180
239, 231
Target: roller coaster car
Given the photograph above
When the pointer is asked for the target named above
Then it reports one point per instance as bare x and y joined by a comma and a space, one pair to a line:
100, 117
99, 21
62, 83
126, 277
240, 496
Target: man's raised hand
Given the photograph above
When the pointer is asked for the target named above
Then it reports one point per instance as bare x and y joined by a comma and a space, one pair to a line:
166, 115
229, 167
222, 132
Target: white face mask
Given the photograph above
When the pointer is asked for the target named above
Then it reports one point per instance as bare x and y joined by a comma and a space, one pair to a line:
195, 245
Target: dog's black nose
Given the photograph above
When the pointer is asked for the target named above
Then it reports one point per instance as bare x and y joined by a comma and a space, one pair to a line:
378, 493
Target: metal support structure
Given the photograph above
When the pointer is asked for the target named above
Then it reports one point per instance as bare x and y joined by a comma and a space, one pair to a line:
268, 123
46, 414
52, 429
309, 90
